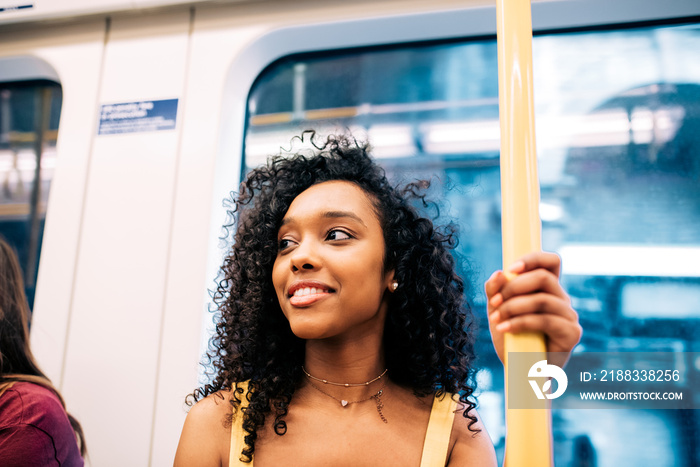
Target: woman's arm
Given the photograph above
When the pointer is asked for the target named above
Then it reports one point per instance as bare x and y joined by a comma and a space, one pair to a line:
205, 441
532, 300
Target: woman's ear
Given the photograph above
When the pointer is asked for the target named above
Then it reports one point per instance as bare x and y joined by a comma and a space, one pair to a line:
393, 284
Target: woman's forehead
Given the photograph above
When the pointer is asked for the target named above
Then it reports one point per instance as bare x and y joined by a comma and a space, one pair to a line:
332, 196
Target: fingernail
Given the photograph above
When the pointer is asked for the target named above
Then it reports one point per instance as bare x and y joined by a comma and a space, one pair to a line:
503, 327
517, 267
495, 317
496, 300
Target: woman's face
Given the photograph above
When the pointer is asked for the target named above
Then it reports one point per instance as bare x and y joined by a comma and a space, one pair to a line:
329, 272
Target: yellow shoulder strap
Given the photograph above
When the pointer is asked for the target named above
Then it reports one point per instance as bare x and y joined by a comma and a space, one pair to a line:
238, 434
437, 438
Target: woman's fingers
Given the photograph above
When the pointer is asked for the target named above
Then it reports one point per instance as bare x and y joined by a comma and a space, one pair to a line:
494, 283
534, 272
528, 297
562, 334
539, 280
537, 260
542, 303
534, 288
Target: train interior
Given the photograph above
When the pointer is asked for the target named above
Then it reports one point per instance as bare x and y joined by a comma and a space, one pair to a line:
118, 232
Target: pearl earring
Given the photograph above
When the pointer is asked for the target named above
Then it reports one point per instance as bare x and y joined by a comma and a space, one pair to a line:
394, 286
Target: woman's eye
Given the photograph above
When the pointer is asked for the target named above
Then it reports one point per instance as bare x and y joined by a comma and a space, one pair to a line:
284, 243
338, 235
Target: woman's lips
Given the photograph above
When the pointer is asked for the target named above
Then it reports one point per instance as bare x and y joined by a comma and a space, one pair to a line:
307, 292
308, 299
304, 293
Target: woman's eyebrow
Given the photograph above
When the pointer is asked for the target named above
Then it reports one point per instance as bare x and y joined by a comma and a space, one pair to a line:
331, 215
335, 214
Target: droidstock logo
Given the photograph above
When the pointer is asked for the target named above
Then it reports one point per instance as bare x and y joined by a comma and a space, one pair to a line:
542, 370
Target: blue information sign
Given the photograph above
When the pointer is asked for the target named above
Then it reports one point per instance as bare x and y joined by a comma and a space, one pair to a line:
137, 117
14, 5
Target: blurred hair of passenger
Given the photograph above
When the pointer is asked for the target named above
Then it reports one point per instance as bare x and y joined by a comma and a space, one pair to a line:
35, 429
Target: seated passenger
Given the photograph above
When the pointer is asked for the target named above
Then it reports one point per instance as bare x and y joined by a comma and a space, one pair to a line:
343, 337
35, 429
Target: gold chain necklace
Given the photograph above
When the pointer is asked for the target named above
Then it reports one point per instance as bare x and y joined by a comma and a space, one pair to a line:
346, 385
376, 396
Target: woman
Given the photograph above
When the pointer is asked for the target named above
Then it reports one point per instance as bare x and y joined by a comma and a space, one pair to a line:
35, 429
342, 326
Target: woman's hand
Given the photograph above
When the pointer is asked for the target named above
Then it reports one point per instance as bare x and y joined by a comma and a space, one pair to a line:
533, 300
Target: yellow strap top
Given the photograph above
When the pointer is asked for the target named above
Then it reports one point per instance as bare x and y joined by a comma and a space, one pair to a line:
437, 437
237, 433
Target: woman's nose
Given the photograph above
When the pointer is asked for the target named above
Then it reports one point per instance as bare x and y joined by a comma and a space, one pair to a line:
304, 257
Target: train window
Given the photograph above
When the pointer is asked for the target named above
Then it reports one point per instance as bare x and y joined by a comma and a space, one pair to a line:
29, 114
618, 130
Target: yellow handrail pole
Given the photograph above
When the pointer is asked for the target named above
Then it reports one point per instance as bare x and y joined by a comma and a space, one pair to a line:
528, 438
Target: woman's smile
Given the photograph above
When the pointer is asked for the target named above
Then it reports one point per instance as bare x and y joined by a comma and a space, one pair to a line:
307, 292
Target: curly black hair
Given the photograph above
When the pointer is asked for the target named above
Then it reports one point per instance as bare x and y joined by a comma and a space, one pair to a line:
428, 335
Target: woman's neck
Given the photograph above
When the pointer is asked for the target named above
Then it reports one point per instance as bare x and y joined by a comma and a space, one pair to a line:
353, 362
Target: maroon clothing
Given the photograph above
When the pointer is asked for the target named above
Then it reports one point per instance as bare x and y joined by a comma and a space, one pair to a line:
34, 429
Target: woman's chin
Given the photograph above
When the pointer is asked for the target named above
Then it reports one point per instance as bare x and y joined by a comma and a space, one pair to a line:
308, 331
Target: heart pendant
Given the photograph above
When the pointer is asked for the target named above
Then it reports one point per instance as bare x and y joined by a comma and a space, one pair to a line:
344, 402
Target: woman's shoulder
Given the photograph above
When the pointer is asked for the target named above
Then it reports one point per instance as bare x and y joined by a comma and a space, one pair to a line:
206, 434
34, 393
470, 443
217, 403
32, 403
212, 413
34, 427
